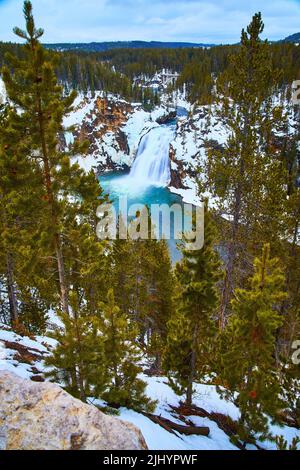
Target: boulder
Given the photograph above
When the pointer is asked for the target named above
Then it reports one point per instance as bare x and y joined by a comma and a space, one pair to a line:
42, 416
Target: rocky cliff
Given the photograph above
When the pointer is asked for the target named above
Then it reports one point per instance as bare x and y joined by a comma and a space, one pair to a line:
113, 128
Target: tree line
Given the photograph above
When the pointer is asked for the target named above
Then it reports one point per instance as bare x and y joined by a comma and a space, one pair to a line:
87, 73
116, 70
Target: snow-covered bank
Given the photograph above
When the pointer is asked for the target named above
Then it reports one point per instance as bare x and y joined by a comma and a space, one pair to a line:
195, 133
159, 439
190, 194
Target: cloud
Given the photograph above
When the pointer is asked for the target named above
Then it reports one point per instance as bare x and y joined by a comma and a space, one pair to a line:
218, 21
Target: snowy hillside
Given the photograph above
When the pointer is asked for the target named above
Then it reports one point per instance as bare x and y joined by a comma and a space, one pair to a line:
113, 128
24, 356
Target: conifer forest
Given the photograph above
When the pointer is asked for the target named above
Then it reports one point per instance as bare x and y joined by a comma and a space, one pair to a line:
150, 236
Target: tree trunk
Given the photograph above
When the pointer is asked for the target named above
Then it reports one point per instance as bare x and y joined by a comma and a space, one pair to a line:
13, 304
62, 276
189, 390
170, 426
80, 384
157, 363
229, 281
48, 186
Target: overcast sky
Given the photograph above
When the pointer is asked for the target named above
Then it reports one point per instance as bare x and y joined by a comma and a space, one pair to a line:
210, 21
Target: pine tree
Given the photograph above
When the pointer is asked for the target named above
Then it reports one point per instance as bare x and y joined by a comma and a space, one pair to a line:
249, 370
143, 282
32, 88
78, 360
21, 212
161, 297
239, 175
122, 357
192, 329
288, 233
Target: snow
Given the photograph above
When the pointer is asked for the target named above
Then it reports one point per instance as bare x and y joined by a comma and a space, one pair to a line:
2, 92
39, 346
205, 397
288, 433
69, 138
10, 336
81, 107
86, 162
156, 437
192, 134
189, 195
53, 319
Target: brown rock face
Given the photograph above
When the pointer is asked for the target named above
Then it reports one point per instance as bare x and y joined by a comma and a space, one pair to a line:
112, 114
107, 116
42, 416
179, 174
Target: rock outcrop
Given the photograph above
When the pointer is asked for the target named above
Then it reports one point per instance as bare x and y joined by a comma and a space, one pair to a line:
178, 174
166, 118
102, 127
42, 416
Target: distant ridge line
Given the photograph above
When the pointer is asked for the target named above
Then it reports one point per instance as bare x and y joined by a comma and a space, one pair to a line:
106, 46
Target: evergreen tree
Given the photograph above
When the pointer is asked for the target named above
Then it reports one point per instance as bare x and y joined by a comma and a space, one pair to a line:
162, 284
192, 329
240, 175
78, 360
33, 89
249, 370
122, 357
288, 233
22, 208
143, 282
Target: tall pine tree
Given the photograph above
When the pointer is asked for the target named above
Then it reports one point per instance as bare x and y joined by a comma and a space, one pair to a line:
249, 370
122, 354
192, 329
39, 109
237, 175
78, 361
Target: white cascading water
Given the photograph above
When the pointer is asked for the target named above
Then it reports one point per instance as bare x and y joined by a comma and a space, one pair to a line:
152, 165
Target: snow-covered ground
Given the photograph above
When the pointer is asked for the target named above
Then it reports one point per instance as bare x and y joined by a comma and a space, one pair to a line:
158, 389
159, 439
10, 359
190, 194
193, 134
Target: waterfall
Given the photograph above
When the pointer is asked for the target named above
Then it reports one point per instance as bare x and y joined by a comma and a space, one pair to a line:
152, 165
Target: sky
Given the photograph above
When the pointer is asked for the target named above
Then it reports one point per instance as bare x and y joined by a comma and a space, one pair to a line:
208, 21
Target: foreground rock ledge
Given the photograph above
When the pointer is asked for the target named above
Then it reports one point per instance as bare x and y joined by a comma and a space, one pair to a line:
42, 416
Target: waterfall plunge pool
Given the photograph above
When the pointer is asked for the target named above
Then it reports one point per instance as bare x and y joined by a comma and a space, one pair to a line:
149, 176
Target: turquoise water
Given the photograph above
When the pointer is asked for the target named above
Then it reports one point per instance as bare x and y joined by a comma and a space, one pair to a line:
118, 184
